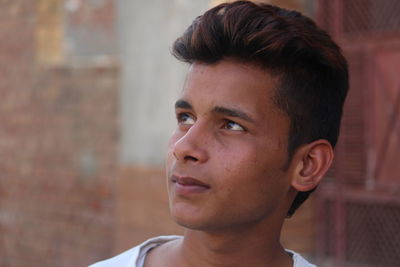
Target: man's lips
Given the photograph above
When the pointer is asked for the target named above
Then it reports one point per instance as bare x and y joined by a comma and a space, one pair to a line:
188, 181
185, 185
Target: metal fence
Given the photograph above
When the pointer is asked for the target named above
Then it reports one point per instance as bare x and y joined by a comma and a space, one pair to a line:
360, 203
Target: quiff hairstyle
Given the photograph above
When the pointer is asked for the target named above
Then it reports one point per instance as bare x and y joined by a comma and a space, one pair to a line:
312, 72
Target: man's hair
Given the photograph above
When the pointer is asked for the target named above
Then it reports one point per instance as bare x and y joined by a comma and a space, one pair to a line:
313, 74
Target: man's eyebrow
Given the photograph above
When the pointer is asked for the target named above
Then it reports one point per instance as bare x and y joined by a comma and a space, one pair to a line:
183, 104
233, 113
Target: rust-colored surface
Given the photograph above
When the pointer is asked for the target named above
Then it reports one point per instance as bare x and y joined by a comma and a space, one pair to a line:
359, 207
142, 207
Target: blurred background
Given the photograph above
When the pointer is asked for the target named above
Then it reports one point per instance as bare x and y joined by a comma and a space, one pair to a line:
86, 106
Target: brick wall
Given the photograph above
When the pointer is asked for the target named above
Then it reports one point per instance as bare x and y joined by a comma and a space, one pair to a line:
58, 140
142, 207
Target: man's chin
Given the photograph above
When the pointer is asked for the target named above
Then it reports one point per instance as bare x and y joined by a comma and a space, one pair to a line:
190, 222
197, 223
191, 216
185, 221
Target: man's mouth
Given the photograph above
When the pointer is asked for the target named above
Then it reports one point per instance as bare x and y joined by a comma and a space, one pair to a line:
187, 185
188, 181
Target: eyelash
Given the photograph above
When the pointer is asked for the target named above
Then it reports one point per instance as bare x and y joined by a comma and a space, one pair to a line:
227, 122
182, 117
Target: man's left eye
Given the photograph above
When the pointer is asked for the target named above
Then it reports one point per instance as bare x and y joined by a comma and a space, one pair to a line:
233, 126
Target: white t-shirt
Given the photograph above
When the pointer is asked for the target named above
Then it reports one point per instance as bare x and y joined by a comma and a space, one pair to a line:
135, 257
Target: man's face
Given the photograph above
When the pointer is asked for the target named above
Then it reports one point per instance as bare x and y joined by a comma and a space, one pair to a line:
225, 165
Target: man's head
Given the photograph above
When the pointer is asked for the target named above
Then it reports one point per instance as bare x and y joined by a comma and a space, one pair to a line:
311, 73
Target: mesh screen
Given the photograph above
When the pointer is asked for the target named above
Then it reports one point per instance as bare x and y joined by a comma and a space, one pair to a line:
361, 17
329, 234
370, 16
368, 235
373, 234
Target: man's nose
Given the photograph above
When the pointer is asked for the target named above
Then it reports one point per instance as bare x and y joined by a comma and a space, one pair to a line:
192, 146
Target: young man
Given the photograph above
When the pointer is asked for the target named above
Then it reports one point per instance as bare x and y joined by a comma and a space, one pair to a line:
257, 121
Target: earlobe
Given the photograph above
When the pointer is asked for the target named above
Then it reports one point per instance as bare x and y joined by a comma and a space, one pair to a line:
312, 162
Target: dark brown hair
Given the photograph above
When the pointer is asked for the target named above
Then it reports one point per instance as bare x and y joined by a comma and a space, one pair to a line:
313, 73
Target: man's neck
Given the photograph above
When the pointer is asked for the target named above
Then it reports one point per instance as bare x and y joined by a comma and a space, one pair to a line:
254, 244
235, 248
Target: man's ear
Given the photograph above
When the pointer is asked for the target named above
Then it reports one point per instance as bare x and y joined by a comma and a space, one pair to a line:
311, 161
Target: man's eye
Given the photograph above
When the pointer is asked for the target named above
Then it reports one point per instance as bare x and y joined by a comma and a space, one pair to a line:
184, 118
233, 126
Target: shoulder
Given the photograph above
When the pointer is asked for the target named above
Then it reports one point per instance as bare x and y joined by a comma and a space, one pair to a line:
298, 260
131, 256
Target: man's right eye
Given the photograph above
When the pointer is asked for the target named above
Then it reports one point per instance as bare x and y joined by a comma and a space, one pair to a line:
184, 118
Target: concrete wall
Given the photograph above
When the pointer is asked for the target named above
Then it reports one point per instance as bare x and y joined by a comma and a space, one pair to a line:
151, 77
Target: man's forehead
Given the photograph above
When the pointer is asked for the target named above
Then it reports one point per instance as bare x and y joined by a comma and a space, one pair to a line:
233, 80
